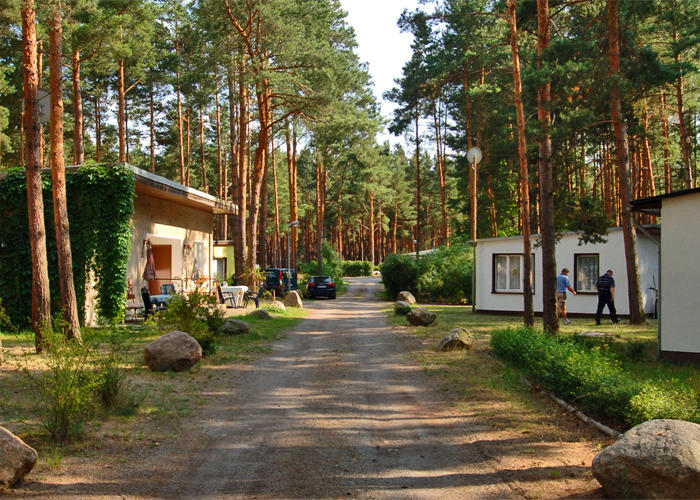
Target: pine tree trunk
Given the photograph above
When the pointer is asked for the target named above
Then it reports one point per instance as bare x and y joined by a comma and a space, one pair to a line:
548, 230
528, 309
242, 174
187, 147
277, 250
263, 259
180, 136
121, 118
202, 157
441, 177
58, 176
223, 220
680, 84
418, 236
293, 202
668, 182
98, 130
263, 99
371, 227
631, 257
78, 147
152, 129
41, 300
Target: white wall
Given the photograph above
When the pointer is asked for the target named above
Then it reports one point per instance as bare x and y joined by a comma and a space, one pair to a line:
611, 256
680, 232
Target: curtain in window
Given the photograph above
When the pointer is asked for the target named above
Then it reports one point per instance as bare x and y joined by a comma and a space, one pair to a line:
586, 272
501, 272
514, 274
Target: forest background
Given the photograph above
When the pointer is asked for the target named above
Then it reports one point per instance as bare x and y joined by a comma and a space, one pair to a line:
266, 104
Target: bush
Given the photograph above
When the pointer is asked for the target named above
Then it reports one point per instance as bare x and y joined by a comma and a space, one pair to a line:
110, 367
402, 310
331, 265
444, 275
65, 392
357, 268
194, 314
594, 379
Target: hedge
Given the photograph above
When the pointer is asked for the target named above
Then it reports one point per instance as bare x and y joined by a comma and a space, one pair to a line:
595, 382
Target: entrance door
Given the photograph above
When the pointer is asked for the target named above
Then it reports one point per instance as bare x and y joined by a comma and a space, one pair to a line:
163, 259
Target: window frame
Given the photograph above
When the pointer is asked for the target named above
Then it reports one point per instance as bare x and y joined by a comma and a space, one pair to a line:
575, 283
216, 261
494, 258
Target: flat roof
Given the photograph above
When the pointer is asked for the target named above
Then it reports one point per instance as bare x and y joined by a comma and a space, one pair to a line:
652, 205
159, 187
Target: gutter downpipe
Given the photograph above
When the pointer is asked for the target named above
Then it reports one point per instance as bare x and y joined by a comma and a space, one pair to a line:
639, 227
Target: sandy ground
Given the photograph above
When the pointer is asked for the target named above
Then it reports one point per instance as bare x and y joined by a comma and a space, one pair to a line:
338, 410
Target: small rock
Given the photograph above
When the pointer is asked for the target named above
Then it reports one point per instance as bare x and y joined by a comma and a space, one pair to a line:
595, 335
458, 339
235, 327
260, 313
278, 305
292, 299
420, 316
16, 459
406, 297
175, 350
656, 459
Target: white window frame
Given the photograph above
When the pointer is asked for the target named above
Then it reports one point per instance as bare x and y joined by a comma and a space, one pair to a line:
509, 259
595, 274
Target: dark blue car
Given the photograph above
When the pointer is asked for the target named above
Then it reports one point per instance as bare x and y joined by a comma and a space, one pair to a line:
321, 286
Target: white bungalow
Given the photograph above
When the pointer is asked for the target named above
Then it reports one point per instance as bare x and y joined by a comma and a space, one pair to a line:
679, 333
499, 272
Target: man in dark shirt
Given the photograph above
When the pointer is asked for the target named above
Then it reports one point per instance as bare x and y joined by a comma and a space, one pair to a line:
606, 296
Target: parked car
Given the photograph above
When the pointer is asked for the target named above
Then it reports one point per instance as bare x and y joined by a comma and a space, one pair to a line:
277, 279
321, 286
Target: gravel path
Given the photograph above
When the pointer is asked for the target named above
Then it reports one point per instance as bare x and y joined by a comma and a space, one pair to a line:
337, 410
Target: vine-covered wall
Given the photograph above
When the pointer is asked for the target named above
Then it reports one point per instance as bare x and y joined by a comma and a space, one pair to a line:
100, 207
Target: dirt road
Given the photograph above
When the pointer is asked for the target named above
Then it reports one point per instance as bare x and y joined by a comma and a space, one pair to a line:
338, 410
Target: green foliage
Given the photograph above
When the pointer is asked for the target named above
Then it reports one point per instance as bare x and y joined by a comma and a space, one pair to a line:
357, 268
593, 379
110, 363
402, 310
444, 275
653, 402
100, 206
331, 265
64, 393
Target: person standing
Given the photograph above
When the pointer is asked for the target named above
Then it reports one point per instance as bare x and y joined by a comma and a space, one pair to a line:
606, 296
563, 284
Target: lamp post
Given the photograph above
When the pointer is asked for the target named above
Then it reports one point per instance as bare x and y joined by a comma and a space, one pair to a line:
473, 157
294, 223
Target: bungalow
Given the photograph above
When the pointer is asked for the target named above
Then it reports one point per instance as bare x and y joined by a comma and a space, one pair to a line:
679, 335
178, 223
499, 272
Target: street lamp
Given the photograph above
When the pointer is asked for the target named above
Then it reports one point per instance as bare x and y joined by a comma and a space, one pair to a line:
294, 223
473, 157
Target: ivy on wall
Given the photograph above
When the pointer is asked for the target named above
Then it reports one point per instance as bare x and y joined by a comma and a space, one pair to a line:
100, 206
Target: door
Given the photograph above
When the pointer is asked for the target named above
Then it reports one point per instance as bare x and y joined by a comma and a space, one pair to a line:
163, 259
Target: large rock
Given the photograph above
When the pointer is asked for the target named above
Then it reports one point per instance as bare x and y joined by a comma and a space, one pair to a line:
260, 313
175, 350
278, 305
293, 300
420, 316
402, 307
406, 297
235, 327
458, 339
16, 459
656, 459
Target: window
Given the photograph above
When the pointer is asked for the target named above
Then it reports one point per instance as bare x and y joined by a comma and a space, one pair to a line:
220, 267
200, 257
585, 272
507, 273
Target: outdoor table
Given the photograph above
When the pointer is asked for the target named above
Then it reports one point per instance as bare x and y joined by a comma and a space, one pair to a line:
238, 291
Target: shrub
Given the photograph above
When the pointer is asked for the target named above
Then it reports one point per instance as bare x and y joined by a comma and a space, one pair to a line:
110, 367
655, 402
357, 268
594, 379
402, 310
399, 272
64, 393
195, 314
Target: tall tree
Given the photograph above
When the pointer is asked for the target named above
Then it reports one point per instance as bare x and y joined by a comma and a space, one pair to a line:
622, 149
41, 300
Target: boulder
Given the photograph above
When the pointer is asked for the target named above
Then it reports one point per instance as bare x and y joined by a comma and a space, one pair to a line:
458, 339
656, 459
278, 305
293, 300
235, 327
175, 350
260, 313
402, 307
420, 316
16, 459
406, 297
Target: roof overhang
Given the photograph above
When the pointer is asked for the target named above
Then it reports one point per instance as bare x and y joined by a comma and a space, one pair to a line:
652, 205
153, 185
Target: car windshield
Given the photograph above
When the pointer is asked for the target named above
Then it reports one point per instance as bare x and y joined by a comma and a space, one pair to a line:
272, 274
320, 279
